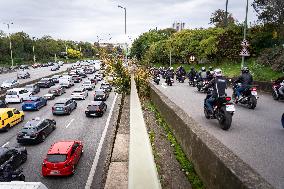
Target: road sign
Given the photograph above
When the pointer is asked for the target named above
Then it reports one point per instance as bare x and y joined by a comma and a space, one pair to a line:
244, 52
245, 43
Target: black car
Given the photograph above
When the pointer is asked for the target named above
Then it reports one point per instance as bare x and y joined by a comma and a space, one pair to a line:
24, 67
96, 108
106, 86
8, 174
55, 78
83, 75
12, 157
101, 95
45, 83
76, 78
36, 130
3, 104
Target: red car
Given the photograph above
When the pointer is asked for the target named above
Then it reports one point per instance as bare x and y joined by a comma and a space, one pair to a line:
62, 158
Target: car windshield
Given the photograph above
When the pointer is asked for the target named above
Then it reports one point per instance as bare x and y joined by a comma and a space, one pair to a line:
59, 104
100, 93
87, 82
11, 93
29, 130
78, 91
93, 107
55, 158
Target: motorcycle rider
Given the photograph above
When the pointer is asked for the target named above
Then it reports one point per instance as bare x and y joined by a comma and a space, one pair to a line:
210, 73
192, 73
219, 85
246, 80
281, 89
203, 74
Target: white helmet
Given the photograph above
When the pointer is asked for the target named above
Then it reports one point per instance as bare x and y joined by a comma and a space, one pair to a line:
218, 73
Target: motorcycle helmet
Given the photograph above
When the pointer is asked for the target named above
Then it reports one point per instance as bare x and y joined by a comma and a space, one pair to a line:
192, 68
203, 69
245, 70
218, 73
171, 68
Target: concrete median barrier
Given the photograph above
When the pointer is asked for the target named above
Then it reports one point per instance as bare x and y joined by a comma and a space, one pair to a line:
217, 166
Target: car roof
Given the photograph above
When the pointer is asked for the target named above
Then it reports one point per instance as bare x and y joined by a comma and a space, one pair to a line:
96, 103
16, 89
79, 89
61, 147
33, 123
3, 110
32, 98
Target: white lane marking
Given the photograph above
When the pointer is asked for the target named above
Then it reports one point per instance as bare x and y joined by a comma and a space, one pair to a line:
69, 123
96, 160
5, 144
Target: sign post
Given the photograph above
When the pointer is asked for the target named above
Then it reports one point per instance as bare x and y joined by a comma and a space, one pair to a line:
244, 52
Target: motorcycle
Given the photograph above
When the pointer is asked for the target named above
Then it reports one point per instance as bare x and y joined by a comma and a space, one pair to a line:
223, 111
157, 79
8, 176
169, 81
201, 86
181, 79
192, 82
275, 91
249, 96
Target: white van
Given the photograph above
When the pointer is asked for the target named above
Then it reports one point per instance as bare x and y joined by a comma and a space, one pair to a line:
87, 84
22, 185
66, 81
17, 95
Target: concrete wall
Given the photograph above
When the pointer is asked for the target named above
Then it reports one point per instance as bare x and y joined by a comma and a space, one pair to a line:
218, 167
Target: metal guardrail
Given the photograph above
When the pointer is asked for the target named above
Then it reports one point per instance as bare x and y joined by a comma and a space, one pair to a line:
142, 168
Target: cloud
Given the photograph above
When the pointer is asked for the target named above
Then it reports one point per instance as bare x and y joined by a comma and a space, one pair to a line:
86, 19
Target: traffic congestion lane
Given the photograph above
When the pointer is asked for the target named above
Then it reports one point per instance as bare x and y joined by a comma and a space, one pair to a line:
256, 136
75, 126
35, 73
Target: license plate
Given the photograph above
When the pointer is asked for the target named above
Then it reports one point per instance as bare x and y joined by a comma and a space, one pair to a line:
58, 108
28, 107
254, 93
27, 137
54, 172
230, 108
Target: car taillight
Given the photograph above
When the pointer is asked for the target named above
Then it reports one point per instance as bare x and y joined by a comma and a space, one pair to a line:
253, 89
228, 98
53, 108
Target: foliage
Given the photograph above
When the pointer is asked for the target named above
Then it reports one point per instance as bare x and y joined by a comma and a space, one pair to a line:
273, 57
218, 18
142, 77
72, 53
186, 165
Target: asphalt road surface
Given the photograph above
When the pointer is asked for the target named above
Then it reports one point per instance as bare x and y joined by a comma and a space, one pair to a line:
256, 136
75, 126
35, 73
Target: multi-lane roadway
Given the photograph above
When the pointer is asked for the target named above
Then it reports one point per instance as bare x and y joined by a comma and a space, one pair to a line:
256, 136
74, 126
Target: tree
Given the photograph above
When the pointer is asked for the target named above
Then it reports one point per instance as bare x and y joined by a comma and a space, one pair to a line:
218, 18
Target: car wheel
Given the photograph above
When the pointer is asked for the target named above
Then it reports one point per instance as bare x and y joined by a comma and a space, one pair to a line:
21, 100
73, 170
7, 127
22, 118
43, 137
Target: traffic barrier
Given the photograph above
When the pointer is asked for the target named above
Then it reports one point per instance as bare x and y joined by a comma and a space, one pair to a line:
142, 171
217, 165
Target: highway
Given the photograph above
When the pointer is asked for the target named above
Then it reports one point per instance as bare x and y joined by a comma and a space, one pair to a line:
35, 73
256, 136
74, 126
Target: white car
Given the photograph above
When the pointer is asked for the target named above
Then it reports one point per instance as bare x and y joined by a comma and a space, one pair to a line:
87, 84
9, 84
79, 93
17, 95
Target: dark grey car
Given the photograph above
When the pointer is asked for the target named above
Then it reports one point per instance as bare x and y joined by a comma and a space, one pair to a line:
64, 106
33, 88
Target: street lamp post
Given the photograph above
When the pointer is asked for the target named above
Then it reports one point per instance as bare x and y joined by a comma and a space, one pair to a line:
245, 32
124, 30
226, 14
34, 58
11, 51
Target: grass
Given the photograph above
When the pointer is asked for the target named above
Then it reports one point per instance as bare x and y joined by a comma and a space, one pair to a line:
186, 165
232, 69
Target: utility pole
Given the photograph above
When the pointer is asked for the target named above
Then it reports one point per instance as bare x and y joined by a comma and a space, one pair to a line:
245, 32
34, 58
11, 51
126, 58
226, 14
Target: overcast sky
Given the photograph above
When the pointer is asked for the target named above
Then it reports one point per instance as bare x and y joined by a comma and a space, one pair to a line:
84, 20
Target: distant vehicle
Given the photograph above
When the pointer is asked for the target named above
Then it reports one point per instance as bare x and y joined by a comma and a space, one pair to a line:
21, 185
33, 88
50, 63
34, 103
3, 104
62, 158
76, 78
87, 84
23, 75
106, 86
81, 74
9, 84
8, 175
12, 158
101, 95
44, 65
55, 67
10, 117
24, 67
64, 106
55, 78
56, 90
79, 93
99, 77
17, 95
96, 108
66, 81
45, 83
49, 96
36, 130
36, 65
60, 63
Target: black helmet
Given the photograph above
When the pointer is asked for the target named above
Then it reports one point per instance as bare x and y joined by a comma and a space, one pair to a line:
245, 70
192, 68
